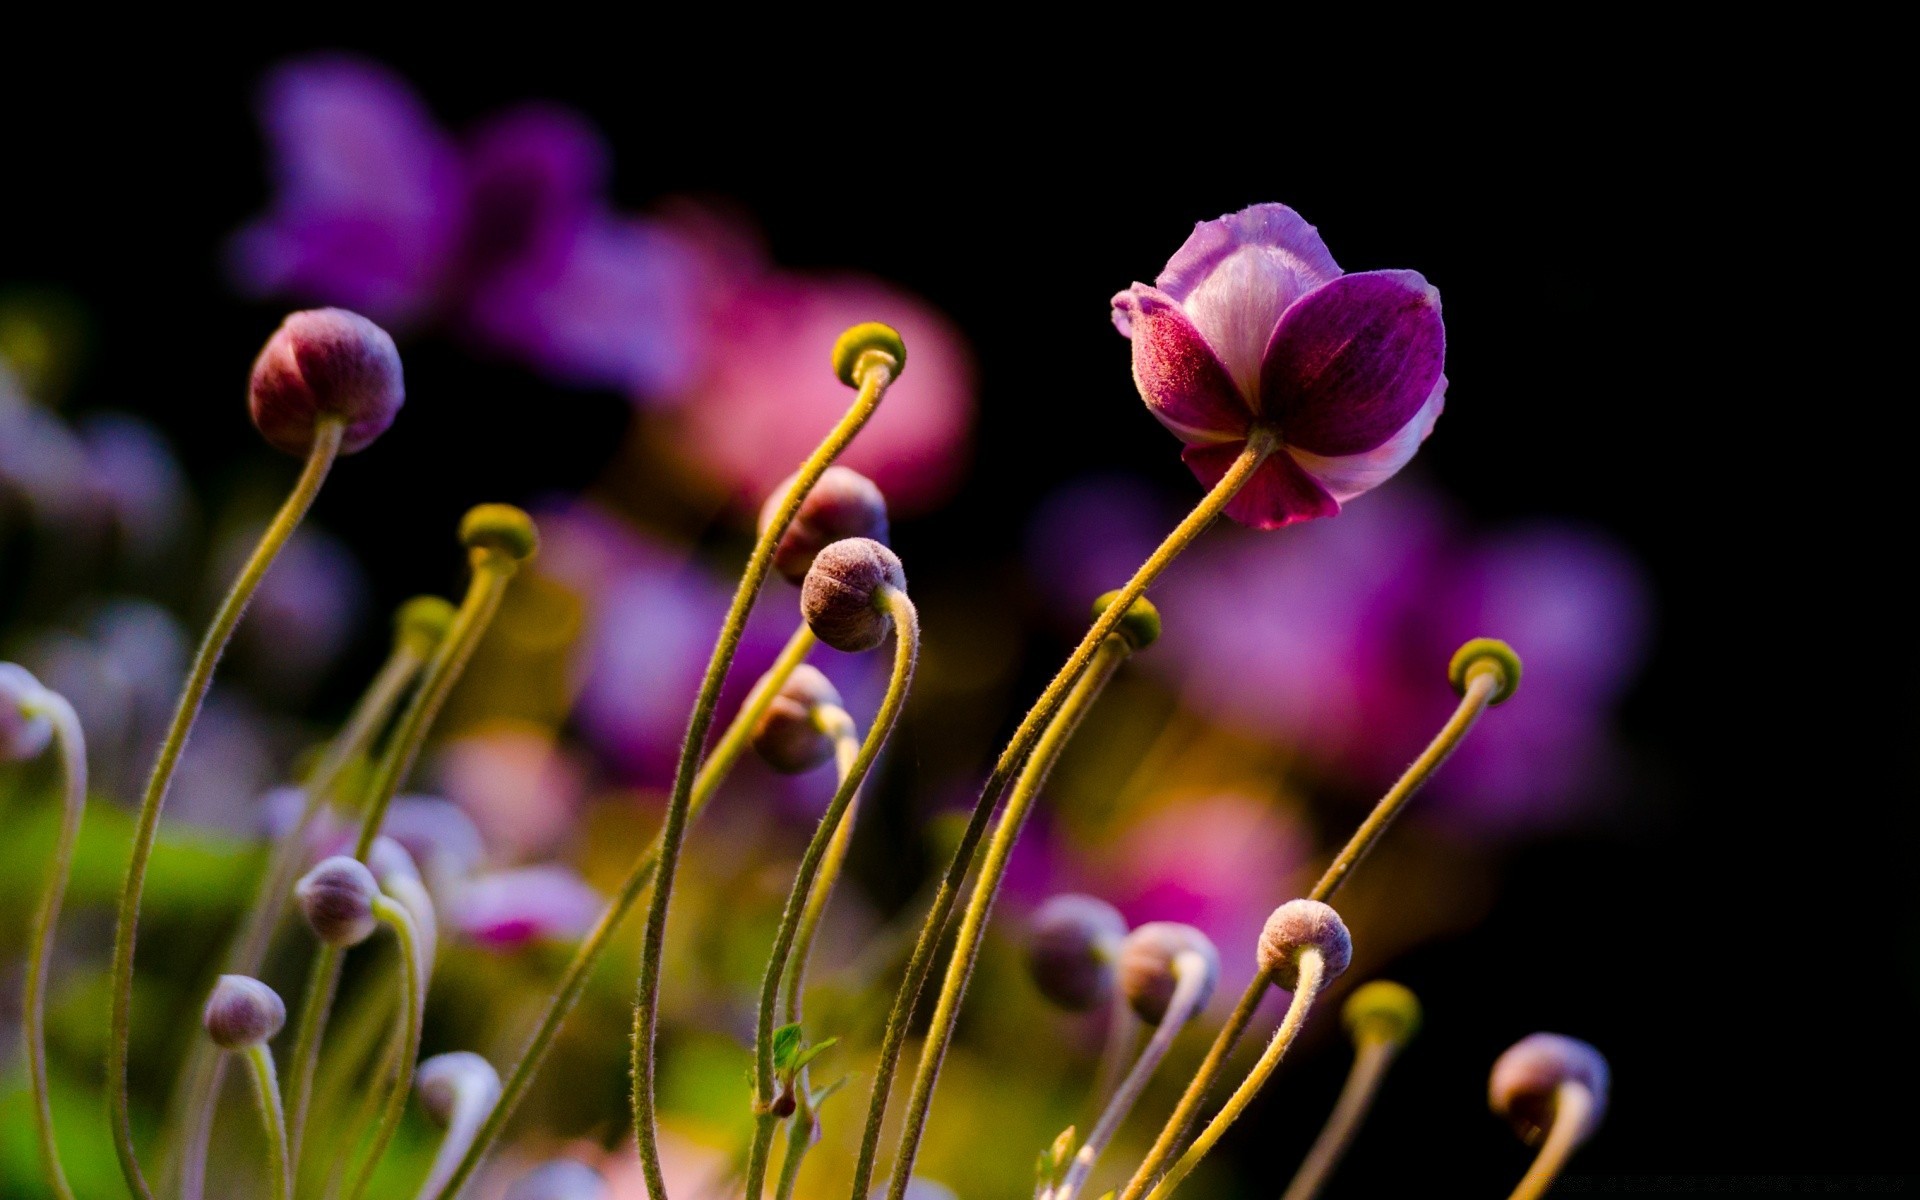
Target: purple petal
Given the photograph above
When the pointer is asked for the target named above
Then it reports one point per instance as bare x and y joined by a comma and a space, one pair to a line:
536, 174
1276, 229
1280, 492
1353, 362
1178, 374
510, 908
1348, 475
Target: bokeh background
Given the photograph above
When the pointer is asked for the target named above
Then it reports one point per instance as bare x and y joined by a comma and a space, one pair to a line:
1655, 476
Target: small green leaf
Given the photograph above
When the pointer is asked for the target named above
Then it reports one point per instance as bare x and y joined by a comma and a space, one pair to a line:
786, 1044
812, 1052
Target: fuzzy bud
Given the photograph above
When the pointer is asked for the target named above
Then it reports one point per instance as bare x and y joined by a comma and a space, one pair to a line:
843, 504
844, 596
788, 736
242, 1013
1525, 1084
325, 362
24, 730
1141, 625
1147, 960
560, 1179
422, 621
1382, 1011
1293, 927
1073, 950
337, 899
447, 1081
501, 528
1486, 654
865, 345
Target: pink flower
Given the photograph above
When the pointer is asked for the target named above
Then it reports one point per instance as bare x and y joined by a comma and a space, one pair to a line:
1253, 326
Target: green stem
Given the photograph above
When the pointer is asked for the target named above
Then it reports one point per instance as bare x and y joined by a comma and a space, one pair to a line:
800, 1135
326, 446
1479, 692
73, 763
906, 632
1259, 446
394, 916
986, 888
1572, 1115
1370, 1064
873, 385
574, 981
266, 1090
1313, 971
323, 979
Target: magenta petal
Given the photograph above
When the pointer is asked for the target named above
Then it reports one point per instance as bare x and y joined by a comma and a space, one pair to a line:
1348, 475
1280, 493
1273, 227
1178, 374
1352, 362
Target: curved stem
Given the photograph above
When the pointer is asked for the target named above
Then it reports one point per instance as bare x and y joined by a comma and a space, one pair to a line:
394, 916
800, 1134
1572, 1120
646, 1018
73, 765
266, 1090
326, 446
470, 1108
1190, 972
1313, 969
1479, 692
1370, 1065
986, 888
906, 633
1113, 1055
725, 753
1259, 446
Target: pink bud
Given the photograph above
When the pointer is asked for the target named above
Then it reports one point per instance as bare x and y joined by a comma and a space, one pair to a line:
843, 596
1525, 1084
1293, 927
337, 899
787, 735
326, 362
1073, 950
243, 1012
1147, 967
843, 504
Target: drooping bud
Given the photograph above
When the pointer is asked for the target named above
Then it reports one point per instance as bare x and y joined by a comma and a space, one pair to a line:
325, 362
844, 596
560, 1179
843, 504
460, 1078
24, 730
866, 344
1073, 950
1293, 927
501, 528
788, 736
1524, 1086
1486, 654
422, 621
1141, 625
243, 1012
1382, 1011
337, 899
1147, 961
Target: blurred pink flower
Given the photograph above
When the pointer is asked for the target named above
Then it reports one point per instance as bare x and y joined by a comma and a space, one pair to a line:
518, 784
507, 909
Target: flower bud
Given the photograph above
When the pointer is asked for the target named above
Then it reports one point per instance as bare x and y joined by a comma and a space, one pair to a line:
1382, 1011
1486, 654
1147, 967
447, 1081
843, 504
501, 528
787, 736
843, 597
1293, 927
422, 621
337, 899
325, 362
242, 1013
1073, 949
560, 1179
1141, 625
24, 730
865, 344
1525, 1084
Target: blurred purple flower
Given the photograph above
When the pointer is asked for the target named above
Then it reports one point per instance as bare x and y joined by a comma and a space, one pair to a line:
306, 608
137, 481
506, 909
520, 787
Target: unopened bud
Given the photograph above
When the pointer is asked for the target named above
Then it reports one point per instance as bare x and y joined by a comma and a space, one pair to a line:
844, 595
1525, 1084
422, 621
24, 730
843, 504
788, 736
1382, 1011
447, 1081
501, 528
337, 899
243, 1012
325, 362
1147, 967
560, 1179
1073, 950
870, 343
1293, 927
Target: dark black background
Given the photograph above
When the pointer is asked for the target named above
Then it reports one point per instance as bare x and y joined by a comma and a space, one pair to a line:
1667, 278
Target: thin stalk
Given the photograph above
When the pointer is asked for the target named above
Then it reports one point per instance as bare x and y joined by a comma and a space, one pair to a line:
394, 916
1113, 1055
1259, 446
800, 1134
323, 980
1313, 971
1572, 1120
73, 767
986, 888
874, 381
326, 447
726, 752
906, 634
1481, 686
1370, 1063
266, 1091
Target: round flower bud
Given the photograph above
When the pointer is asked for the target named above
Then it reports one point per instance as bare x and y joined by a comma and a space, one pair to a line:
560, 1179
325, 362
1382, 1011
24, 731
1293, 927
502, 528
843, 595
243, 1012
422, 621
337, 899
1525, 1084
1486, 654
1147, 961
444, 1080
1073, 950
843, 504
864, 339
787, 736
1141, 625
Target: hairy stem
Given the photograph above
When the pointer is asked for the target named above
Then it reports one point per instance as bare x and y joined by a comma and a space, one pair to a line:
394, 916
46, 918
266, 1090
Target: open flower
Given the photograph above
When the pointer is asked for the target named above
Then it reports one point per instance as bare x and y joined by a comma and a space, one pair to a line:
1253, 326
